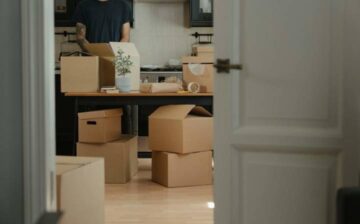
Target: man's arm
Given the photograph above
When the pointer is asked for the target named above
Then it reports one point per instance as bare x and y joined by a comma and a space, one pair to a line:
81, 35
125, 32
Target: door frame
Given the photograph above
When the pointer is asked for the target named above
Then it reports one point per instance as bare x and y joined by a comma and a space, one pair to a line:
38, 108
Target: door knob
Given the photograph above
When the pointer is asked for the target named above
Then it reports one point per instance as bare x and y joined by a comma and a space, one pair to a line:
224, 66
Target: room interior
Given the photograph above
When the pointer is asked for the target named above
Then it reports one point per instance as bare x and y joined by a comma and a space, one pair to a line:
285, 149
166, 39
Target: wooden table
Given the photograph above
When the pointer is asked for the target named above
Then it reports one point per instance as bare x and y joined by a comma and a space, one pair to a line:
83, 100
137, 98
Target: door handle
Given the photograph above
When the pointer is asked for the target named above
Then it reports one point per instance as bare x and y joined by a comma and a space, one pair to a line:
224, 66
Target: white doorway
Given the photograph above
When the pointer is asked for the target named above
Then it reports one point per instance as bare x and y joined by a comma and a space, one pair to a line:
278, 120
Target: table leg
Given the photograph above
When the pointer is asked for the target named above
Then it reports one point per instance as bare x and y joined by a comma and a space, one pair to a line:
135, 116
128, 119
75, 129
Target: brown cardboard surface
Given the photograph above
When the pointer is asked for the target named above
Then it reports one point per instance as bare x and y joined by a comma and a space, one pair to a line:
107, 71
79, 74
100, 49
101, 113
175, 170
120, 157
80, 190
106, 67
175, 112
198, 59
206, 80
203, 50
181, 129
100, 126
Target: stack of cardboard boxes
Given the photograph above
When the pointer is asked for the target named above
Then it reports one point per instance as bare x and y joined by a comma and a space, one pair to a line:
181, 140
100, 136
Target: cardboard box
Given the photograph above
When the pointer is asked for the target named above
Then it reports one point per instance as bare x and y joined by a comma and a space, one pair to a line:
100, 126
203, 50
80, 190
79, 74
120, 158
200, 70
175, 170
181, 129
107, 53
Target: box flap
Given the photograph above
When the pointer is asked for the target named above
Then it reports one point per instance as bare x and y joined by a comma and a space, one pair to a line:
64, 168
198, 60
100, 49
172, 112
74, 160
66, 164
100, 114
124, 138
200, 111
128, 48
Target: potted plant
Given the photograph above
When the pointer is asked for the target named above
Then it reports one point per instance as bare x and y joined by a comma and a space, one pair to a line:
123, 64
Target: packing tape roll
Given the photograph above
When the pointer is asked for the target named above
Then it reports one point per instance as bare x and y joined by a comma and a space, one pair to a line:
193, 87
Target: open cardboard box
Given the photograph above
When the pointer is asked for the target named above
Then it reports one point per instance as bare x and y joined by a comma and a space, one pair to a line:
107, 52
181, 129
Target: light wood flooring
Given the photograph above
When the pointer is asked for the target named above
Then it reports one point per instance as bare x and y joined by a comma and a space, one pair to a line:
144, 202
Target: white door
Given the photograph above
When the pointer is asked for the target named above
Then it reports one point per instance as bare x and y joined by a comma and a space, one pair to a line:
278, 121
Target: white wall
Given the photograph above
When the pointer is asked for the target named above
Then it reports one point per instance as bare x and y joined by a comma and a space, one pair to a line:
11, 155
352, 94
160, 32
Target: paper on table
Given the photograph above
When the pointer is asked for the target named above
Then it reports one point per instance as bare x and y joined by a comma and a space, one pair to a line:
160, 87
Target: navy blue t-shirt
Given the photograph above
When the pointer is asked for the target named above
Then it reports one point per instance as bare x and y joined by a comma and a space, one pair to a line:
103, 19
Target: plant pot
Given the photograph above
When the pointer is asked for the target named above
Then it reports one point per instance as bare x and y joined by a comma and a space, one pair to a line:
123, 83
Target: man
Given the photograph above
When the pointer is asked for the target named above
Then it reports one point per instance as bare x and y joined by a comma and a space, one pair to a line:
102, 21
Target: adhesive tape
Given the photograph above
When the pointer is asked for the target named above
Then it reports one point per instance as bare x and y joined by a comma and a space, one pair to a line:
193, 87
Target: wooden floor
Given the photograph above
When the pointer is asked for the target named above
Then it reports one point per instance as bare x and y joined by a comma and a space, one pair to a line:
144, 202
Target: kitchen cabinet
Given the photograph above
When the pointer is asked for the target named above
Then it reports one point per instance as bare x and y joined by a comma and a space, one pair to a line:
201, 13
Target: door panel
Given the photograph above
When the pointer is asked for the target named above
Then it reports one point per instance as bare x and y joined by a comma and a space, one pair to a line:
291, 64
278, 121
275, 187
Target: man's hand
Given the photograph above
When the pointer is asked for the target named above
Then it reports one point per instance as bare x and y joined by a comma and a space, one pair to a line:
125, 32
81, 35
